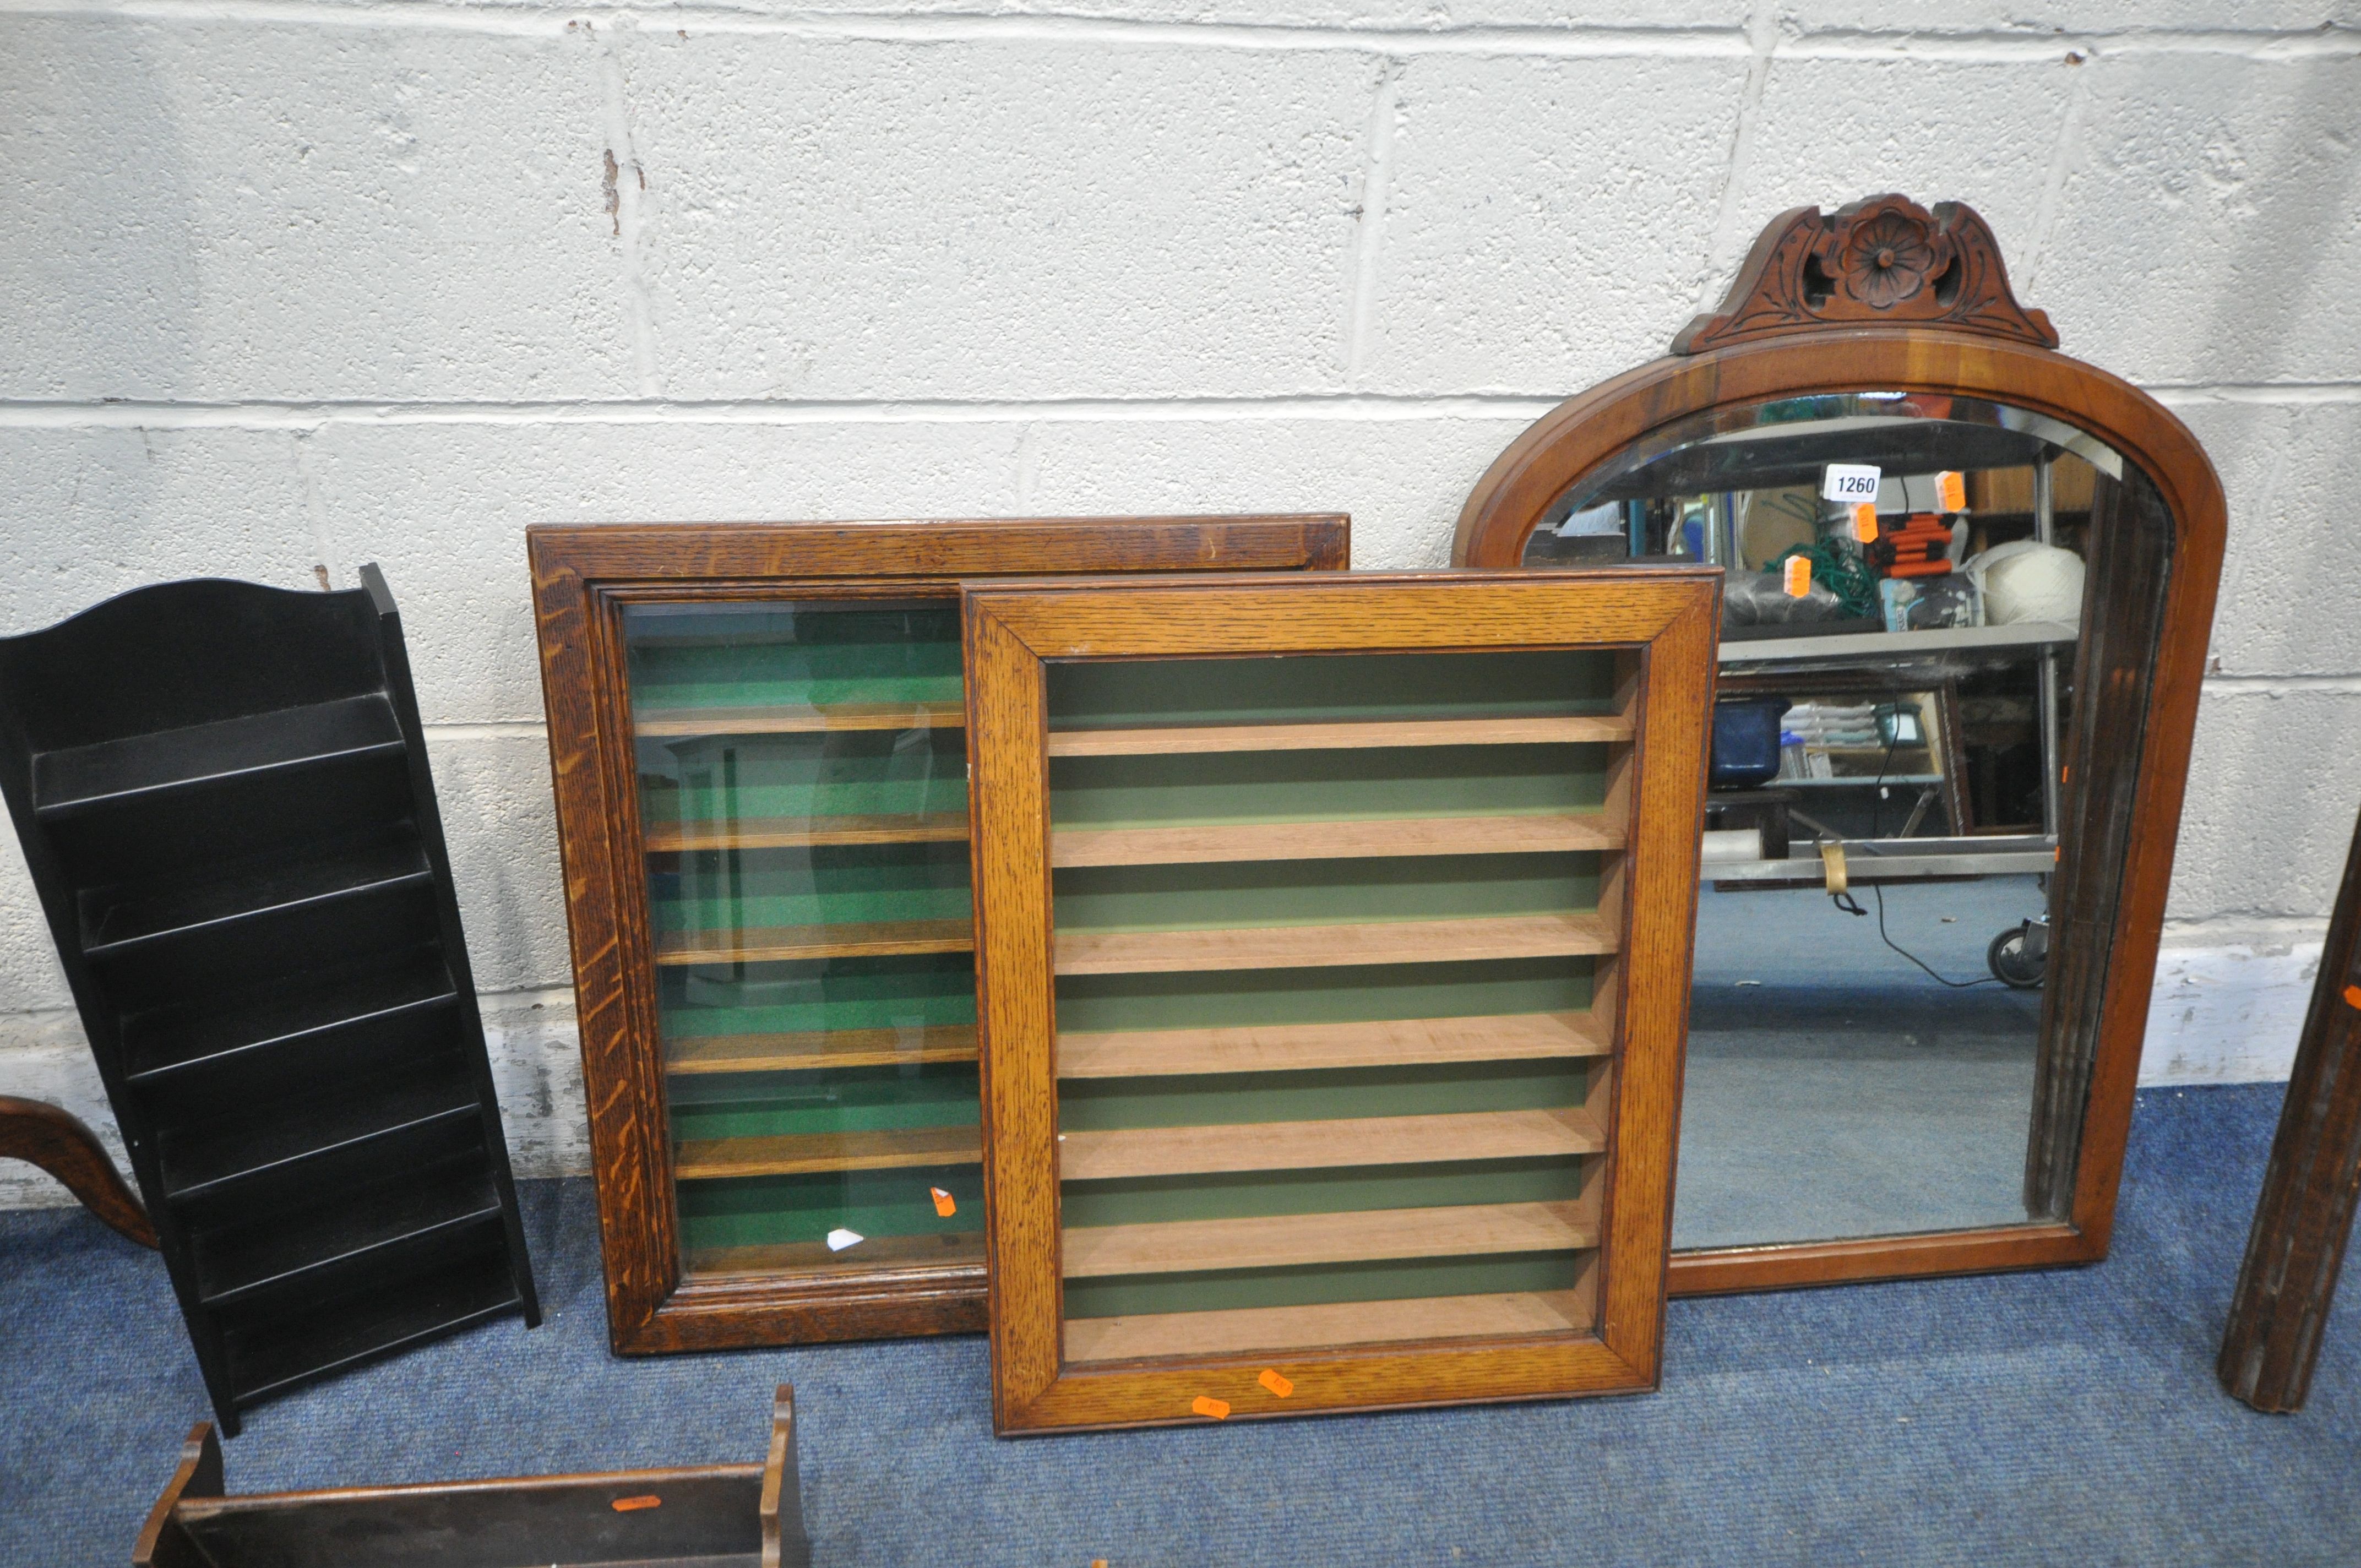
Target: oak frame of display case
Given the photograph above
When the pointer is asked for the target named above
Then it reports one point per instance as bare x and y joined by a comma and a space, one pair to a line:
1788, 330
1662, 628
585, 577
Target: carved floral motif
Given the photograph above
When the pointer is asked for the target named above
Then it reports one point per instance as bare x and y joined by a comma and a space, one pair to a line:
1886, 260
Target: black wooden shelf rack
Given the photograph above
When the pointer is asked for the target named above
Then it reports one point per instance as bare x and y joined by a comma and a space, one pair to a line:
223, 794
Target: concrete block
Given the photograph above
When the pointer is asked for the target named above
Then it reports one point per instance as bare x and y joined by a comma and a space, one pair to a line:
1833, 130
536, 1057
2270, 807
2069, 24
91, 512
1415, 15
31, 976
227, 211
1403, 480
443, 508
2209, 226
2228, 1011
854, 220
500, 821
1546, 221
2288, 580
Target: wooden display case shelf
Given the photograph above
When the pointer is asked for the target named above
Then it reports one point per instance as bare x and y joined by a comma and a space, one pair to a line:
1279, 1241
1163, 1336
794, 832
1299, 1048
834, 1048
148, 765
791, 718
333, 1239
1343, 1142
775, 944
215, 1166
800, 1154
1353, 734
1504, 834
123, 916
421, 1307
1294, 947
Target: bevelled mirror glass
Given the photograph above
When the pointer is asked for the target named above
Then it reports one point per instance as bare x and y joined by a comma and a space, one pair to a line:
1968, 585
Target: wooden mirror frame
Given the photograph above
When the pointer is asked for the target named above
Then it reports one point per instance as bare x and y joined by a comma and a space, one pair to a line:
583, 576
1885, 295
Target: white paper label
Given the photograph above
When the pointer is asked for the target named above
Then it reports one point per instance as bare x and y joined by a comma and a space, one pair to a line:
838, 1240
1849, 482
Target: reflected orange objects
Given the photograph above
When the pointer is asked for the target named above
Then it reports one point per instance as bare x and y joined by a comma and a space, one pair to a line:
945, 1204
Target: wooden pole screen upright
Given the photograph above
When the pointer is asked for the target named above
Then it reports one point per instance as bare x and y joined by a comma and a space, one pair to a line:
1334, 952
756, 732
2305, 1216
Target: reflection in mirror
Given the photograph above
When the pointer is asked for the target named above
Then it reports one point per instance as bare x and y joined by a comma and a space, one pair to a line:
1873, 1048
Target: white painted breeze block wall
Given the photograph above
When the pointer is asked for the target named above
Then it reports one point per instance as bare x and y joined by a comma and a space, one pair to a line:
286, 281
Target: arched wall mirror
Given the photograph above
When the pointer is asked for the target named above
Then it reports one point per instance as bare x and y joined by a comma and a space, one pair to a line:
1970, 585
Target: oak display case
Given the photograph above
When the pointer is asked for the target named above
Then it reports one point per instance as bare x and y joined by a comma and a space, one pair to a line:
1333, 957
757, 733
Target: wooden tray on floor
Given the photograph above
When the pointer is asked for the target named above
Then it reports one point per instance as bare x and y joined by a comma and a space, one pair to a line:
712, 1515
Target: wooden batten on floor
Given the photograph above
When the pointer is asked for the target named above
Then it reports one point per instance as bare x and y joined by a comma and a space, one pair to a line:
819, 1048
798, 1154
1350, 734
788, 719
796, 832
1278, 1241
1166, 1335
1523, 833
1342, 1143
777, 944
1297, 1048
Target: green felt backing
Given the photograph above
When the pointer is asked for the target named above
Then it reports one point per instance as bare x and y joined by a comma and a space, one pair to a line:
1346, 993
1189, 789
1247, 1194
1097, 1104
1320, 893
1391, 1281
1325, 686
912, 992
840, 773
845, 1100
728, 890
801, 655
773, 1211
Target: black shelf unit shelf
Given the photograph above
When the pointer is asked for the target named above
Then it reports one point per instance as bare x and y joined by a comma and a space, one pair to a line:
223, 792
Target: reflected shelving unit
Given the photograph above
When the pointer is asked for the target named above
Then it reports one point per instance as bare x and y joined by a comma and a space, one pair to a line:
759, 738
1326, 1051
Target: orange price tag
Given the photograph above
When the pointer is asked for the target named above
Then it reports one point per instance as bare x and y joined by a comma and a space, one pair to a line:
633, 1504
1219, 1409
2353, 994
1799, 576
1864, 520
1952, 490
1275, 1383
945, 1204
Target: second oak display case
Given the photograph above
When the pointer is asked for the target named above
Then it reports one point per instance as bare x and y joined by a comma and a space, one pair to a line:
1333, 964
756, 732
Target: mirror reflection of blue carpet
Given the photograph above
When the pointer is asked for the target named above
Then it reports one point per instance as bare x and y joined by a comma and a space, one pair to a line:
1835, 1090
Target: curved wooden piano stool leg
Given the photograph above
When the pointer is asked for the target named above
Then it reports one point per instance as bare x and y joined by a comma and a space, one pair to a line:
2305, 1216
59, 1144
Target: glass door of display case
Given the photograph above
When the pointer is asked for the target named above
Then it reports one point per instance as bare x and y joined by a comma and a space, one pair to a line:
758, 736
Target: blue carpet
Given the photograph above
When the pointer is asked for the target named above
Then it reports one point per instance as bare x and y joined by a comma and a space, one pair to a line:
2062, 1418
